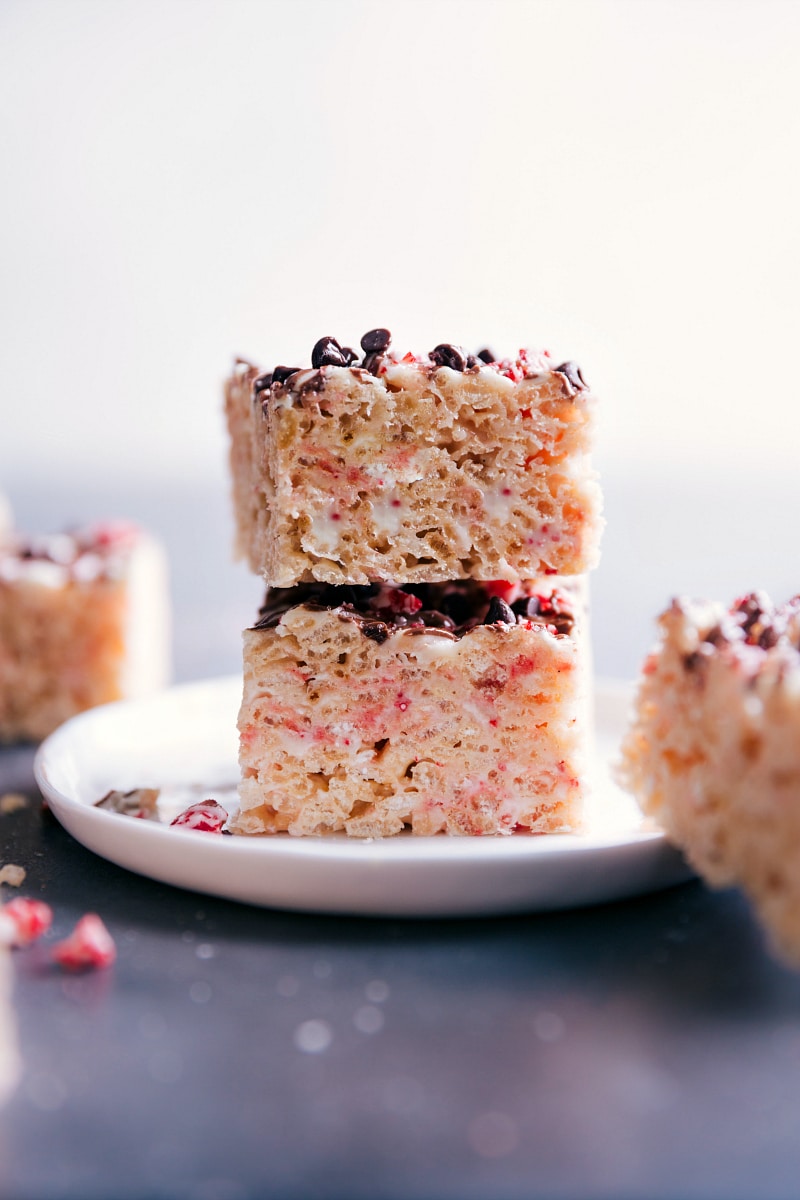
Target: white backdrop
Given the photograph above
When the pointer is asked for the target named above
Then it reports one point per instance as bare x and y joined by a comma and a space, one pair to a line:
189, 179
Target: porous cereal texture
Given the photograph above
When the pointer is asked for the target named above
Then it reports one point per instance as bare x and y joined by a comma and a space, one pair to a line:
83, 620
359, 721
713, 749
412, 470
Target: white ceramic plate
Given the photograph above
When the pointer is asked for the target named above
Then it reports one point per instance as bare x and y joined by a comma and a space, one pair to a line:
184, 741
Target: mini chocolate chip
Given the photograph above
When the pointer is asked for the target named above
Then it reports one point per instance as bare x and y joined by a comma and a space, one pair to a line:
499, 613
376, 340
328, 353
350, 354
471, 361
527, 607
692, 661
751, 610
376, 631
434, 619
768, 637
446, 355
313, 385
373, 363
281, 374
262, 383
486, 355
573, 373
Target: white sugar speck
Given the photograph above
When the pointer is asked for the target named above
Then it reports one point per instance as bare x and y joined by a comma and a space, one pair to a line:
313, 1037
368, 1019
205, 950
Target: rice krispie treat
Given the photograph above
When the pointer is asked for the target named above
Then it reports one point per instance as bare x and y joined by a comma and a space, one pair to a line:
83, 620
452, 707
713, 751
373, 467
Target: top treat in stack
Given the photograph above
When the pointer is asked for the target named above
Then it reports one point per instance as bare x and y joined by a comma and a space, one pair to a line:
415, 469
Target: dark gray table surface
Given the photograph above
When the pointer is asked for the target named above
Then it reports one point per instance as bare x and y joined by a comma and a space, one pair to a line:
644, 1049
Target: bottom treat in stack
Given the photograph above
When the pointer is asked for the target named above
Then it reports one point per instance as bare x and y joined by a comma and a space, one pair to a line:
713, 750
450, 707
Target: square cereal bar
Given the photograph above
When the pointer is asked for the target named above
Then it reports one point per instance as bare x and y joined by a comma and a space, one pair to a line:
433, 707
83, 620
713, 749
414, 469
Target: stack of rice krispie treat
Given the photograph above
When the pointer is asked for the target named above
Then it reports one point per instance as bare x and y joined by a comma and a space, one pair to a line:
423, 524
84, 619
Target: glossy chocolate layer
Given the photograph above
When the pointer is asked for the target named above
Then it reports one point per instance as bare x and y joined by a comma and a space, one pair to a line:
447, 609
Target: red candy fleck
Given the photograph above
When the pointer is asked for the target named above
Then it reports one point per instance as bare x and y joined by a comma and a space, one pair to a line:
113, 535
402, 602
208, 817
29, 918
504, 589
89, 945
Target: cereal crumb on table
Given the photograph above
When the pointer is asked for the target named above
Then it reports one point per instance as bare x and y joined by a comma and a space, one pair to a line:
12, 874
12, 801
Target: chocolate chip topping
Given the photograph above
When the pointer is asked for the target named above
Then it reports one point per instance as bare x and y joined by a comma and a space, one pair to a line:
447, 355
376, 631
376, 341
545, 610
486, 355
262, 383
572, 372
350, 354
328, 353
499, 613
373, 363
281, 374
448, 610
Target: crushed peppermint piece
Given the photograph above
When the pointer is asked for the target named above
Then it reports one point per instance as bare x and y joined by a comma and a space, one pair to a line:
139, 802
22, 921
208, 817
89, 945
12, 874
